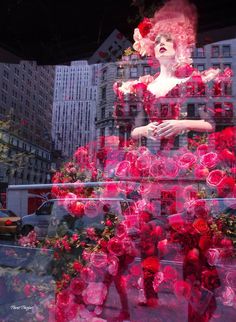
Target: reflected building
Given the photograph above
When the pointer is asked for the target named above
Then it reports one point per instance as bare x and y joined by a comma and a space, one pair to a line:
74, 106
26, 111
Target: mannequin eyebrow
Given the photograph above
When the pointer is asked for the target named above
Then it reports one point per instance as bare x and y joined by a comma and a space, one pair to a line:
163, 35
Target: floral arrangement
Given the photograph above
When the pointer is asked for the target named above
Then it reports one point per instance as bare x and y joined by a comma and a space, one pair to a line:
188, 254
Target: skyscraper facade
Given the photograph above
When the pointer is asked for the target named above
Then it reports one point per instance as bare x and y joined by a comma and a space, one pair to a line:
26, 111
74, 107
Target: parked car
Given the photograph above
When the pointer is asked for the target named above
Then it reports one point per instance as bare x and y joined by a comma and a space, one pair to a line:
9, 222
55, 216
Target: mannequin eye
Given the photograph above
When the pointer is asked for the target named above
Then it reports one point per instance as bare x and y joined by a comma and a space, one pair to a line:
169, 39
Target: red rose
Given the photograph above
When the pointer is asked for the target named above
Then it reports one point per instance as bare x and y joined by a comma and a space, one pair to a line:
145, 27
210, 279
170, 273
199, 208
193, 255
77, 285
215, 177
205, 242
178, 223
76, 208
226, 186
227, 156
209, 160
77, 266
115, 246
151, 264
201, 226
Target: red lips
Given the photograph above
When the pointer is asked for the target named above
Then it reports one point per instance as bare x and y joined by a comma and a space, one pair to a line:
162, 50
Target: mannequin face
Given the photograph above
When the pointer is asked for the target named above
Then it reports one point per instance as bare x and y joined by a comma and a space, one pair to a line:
164, 47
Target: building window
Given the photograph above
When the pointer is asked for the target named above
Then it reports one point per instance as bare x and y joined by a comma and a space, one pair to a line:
120, 72
103, 93
146, 70
226, 51
216, 66
227, 88
201, 67
6, 74
190, 110
227, 65
215, 51
104, 74
103, 113
102, 137
4, 97
133, 72
200, 52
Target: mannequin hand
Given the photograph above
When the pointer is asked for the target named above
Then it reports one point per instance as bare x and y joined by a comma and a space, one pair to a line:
150, 131
169, 128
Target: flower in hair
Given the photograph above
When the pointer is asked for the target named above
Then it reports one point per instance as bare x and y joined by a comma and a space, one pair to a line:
145, 27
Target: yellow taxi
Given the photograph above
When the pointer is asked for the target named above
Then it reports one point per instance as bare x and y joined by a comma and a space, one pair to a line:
9, 222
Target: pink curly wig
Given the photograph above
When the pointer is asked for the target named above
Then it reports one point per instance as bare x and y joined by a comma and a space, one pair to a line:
177, 18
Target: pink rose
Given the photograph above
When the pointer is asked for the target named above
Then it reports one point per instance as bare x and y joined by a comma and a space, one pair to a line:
158, 279
157, 169
122, 169
190, 192
209, 160
95, 293
171, 168
201, 172
202, 149
143, 162
230, 278
228, 296
215, 177
87, 274
212, 255
91, 208
98, 259
182, 289
187, 160
113, 265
